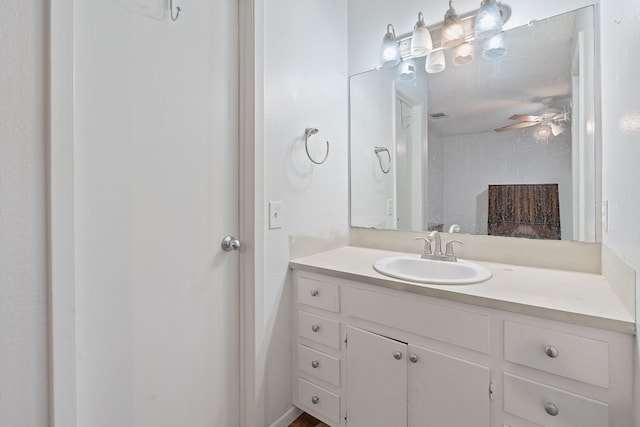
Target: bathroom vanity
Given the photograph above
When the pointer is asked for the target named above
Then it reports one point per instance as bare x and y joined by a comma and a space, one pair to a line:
528, 347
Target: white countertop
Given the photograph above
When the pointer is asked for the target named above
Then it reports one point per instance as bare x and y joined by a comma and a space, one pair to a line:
580, 298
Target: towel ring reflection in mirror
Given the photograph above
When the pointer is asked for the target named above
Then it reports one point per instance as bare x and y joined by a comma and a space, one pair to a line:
178, 9
310, 132
379, 150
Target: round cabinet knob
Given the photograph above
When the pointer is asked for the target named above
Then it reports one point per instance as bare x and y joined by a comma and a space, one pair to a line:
314, 292
315, 363
315, 328
551, 351
315, 400
551, 409
397, 355
413, 358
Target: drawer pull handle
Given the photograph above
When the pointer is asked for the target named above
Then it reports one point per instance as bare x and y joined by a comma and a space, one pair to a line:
315, 328
551, 409
397, 355
413, 358
551, 351
314, 292
315, 364
315, 400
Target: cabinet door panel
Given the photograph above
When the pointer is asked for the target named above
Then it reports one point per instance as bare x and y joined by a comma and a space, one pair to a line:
446, 391
376, 380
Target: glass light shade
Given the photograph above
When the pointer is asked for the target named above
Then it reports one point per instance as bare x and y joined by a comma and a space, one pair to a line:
488, 21
544, 132
406, 70
452, 34
463, 54
389, 51
495, 47
421, 43
435, 62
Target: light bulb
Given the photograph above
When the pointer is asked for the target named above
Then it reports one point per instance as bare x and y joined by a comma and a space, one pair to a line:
495, 47
463, 54
389, 51
421, 43
452, 31
435, 62
407, 70
488, 21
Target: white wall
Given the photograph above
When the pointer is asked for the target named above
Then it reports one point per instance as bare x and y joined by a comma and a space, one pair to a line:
620, 60
465, 184
372, 124
305, 86
23, 216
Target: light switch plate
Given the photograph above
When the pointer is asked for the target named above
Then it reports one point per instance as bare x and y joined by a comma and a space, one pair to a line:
275, 215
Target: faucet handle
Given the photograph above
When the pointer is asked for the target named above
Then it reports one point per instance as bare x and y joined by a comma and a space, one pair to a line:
449, 247
427, 245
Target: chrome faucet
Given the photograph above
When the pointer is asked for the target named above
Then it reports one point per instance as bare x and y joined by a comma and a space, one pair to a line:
433, 240
434, 236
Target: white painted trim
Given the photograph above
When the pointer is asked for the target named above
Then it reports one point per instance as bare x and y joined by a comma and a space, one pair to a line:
251, 196
62, 297
287, 418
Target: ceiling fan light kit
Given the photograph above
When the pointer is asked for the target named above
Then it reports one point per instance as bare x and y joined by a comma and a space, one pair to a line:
550, 123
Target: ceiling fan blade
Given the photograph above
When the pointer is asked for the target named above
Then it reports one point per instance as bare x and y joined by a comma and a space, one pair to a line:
526, 118
517, 126
556, 129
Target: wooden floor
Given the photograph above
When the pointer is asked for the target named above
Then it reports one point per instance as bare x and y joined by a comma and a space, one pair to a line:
306, 420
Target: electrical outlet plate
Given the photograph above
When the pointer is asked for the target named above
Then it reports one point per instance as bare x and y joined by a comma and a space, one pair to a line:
275, 215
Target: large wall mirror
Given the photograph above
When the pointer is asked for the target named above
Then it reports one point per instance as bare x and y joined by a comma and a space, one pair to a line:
500, 146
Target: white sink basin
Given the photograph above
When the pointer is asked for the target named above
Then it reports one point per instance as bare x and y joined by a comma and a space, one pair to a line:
416, 269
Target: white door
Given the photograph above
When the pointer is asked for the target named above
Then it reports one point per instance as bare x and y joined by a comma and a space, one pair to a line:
376, 380
156, 188
446, 391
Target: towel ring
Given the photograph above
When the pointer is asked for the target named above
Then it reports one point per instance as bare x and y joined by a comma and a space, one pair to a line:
177, 9
310, 132
379, 150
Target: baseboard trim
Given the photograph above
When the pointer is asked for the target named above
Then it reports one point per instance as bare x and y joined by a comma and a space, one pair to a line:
287, 418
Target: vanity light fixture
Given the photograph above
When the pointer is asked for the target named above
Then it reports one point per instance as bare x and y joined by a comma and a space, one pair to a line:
421, 43
452, 31
463, 54
495, 47
488, 21
406, 70
389, 51
435, 62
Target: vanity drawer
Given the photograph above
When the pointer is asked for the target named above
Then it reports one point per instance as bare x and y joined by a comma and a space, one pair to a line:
458, 327
319, 329
319, 294
579, 358
318, 400
538, 402
319, 365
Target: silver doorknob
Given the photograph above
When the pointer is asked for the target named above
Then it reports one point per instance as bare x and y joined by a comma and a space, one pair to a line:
397, 355
413, 358
230, 243
551, 351
315, 400
551, 409
315, 364
314, 292
315, 328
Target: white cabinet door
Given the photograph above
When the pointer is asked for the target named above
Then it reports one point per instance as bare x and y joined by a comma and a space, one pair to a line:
376, 380
446, 391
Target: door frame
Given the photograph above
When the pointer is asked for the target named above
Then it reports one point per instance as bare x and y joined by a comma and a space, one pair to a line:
63, 406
